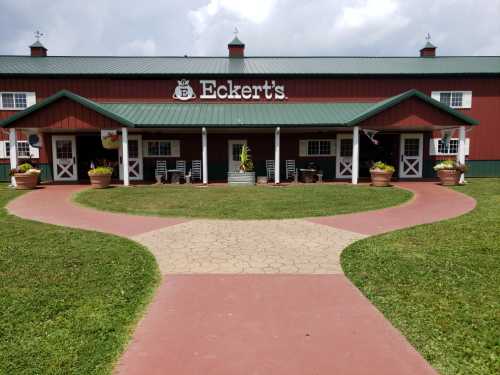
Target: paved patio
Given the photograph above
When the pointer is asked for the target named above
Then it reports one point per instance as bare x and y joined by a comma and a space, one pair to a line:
225, 316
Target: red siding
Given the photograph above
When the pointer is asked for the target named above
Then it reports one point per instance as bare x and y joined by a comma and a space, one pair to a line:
66, 114
485, 95
412, 113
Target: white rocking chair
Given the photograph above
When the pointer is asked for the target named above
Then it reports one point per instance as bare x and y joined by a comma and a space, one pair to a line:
270, 170
161, 171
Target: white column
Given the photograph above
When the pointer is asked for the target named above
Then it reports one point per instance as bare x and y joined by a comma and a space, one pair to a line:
125, 161
355, 155
461, 150
277, 156
13, 153
204, 155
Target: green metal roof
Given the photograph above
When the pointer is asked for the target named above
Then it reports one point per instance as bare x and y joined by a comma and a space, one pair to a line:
255, 115
38, 44
236, 42
202, 66
237, 115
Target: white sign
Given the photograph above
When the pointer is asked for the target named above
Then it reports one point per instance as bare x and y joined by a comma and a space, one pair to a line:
210, 90
183, 91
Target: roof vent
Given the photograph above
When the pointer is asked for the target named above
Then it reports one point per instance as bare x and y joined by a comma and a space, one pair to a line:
38, 49
236, 46
429, 49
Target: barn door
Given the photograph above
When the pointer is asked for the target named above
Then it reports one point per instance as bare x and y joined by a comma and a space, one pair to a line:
64, 158
344, 156
411, 156
134, 158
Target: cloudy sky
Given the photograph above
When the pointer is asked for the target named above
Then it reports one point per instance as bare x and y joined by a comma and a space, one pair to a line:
268, 27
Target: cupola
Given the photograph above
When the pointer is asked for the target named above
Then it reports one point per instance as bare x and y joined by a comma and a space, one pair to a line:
236, 47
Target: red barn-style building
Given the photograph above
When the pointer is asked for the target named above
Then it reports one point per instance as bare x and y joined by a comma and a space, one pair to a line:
290, 111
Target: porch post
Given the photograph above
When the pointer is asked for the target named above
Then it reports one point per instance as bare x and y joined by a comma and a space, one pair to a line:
125, 161
204, 155
461, 150
277, 156
13, 153
355, 155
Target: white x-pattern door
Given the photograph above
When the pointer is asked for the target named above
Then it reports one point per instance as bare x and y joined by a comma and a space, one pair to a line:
64, 158
411, 156
344, 156
135, 168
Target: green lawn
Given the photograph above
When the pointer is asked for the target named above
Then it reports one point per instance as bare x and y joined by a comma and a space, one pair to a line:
440, 283
243, 202
68, 298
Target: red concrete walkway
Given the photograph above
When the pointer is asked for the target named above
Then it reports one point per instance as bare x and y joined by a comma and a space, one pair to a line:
430, 203
261, 324
52, 204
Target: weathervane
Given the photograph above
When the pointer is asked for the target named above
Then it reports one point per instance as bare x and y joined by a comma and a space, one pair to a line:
38, 35
236, 31
428, 37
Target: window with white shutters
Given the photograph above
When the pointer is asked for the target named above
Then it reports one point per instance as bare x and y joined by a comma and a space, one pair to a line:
454, 99
16, 100
161, 148
317, 147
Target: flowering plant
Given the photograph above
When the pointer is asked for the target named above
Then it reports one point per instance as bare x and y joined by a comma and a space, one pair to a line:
451, 165
382, 167
25, 168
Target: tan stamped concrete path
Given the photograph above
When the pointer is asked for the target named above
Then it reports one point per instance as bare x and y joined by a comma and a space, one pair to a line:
216, 312
253, 246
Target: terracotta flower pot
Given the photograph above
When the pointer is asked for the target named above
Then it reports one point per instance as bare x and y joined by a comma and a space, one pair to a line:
449, 177
100, 181
26, 181
381, 178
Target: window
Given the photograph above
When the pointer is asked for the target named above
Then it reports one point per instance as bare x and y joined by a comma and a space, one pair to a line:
24, 151
317, 147
454, 99
450, 148
16, 100
162, 148
437, 147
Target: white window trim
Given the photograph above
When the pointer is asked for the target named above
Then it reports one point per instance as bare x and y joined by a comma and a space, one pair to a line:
466, 98
30, 100
175, 150
304, 148
34, 152
434, 147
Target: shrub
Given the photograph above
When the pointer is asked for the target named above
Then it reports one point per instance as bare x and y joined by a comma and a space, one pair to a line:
101, 171
381, 166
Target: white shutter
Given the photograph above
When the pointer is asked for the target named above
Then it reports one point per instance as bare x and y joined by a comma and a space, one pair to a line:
436, 95
34, 152
333, 147
175, 148
467, 99
30, 98
433, 146
3, 153
303, 146
467, 145
145, 148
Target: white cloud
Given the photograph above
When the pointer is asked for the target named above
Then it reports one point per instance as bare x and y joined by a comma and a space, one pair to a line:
255, 11
268, 27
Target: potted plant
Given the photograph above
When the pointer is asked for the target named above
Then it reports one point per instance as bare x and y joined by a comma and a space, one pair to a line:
381, 174
26, 176
246, 175
449, 172
100, 177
